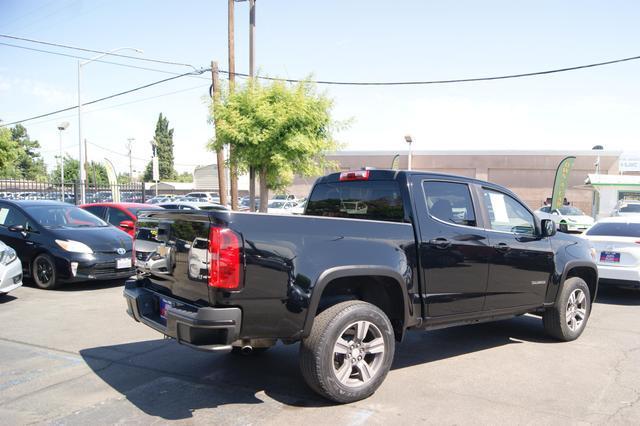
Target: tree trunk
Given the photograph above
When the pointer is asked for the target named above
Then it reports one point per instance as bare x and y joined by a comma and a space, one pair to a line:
252, 189
264, 191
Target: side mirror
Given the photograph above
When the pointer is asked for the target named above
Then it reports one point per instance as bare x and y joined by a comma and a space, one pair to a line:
17, 228
548, 228
126, 224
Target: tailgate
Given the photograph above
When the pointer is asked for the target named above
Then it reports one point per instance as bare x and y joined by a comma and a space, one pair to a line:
171, 249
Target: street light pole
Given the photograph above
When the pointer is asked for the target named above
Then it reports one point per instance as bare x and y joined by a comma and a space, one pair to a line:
80, 139
61, 128
409, 140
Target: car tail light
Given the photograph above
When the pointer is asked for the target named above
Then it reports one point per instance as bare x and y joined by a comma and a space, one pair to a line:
354, 175
224, 259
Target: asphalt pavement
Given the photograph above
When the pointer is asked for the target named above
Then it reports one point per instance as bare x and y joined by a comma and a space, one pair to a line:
73, 356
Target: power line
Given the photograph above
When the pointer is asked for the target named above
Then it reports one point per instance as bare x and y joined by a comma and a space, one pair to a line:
458, 80
124, 103
349, 83
97, 60
133, 157
135, 89
65, 46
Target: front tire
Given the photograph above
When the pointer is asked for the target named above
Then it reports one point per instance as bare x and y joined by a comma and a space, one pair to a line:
348, 352
43, 272
568, 318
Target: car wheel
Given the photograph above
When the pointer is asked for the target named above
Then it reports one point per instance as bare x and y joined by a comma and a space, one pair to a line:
567, 319
348, 352
563, 227
43, 271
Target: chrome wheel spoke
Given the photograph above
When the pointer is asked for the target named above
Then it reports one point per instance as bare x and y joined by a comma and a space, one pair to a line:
580, 298
344, 371
362, 328
581, 313
376, 346
569, 315
341, 347
365, 371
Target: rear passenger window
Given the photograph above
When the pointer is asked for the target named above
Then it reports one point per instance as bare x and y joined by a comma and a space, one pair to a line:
450, 202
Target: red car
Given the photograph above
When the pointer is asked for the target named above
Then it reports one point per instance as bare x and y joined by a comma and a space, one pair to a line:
121, 215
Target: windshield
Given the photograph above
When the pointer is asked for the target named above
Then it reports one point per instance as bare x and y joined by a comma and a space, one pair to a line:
615, 229
571, 211
276, 204
56, 216
630, 208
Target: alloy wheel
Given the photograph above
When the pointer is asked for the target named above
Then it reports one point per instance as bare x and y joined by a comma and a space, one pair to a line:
576, 311
358, 353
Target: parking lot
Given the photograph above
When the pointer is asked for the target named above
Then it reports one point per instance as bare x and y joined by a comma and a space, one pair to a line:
73, 356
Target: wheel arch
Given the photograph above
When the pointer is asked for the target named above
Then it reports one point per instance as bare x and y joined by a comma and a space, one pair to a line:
382, 286
585, 270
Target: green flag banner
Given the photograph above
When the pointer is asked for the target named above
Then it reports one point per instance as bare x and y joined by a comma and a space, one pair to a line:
560, 182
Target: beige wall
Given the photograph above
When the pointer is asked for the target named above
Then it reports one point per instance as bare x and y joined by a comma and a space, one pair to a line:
530, 174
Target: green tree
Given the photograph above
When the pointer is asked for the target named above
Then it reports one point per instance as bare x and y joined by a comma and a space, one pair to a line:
164, 150
184, 177
9, 152
96, 172
279, 130
29, 164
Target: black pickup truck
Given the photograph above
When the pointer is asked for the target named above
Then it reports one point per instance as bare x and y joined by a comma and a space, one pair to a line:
376, 253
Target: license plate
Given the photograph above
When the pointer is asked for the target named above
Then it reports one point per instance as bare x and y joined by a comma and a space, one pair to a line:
163, 308
123, 263
610, 257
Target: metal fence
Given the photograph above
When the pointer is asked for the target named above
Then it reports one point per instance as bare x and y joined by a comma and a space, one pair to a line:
139, 192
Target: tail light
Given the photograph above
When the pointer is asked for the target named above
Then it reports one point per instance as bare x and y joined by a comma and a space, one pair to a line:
354, 175
224, 259
133, 244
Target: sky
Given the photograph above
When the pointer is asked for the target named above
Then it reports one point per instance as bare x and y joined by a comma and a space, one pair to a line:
333, 40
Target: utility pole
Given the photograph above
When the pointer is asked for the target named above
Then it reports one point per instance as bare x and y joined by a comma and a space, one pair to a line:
222, 178
233, 169
129, 149
252, 33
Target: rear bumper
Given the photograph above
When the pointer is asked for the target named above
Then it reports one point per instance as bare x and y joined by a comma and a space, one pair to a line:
203, 328
618, 272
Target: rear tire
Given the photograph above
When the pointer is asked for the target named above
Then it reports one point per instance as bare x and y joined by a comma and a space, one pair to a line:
43, 272
567, 319
348, 352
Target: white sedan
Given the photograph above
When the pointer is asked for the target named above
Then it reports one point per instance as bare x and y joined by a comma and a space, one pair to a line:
617, 244
568, 218
281, 206
10, 269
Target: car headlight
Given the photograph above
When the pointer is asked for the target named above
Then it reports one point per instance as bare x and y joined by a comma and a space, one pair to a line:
7, 256
74, 246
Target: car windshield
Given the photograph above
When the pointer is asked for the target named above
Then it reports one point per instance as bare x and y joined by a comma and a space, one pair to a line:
630, 208
571, 211
276, 204
615, 229
56, 216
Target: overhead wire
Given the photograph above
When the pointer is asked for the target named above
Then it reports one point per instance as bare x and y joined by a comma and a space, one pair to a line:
104, 98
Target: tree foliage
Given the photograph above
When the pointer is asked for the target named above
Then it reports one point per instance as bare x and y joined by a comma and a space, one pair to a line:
278, 129
164, 150
96, 172
19, 156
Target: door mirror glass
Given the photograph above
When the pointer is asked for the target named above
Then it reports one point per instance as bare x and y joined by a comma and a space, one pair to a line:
548, 228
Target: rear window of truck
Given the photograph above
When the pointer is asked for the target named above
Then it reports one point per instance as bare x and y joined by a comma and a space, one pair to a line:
373, 200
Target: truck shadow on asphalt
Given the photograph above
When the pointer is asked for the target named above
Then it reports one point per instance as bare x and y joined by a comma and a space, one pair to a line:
170, 381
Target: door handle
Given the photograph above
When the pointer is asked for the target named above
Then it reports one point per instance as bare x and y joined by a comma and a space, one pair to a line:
441, 243
502, 247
